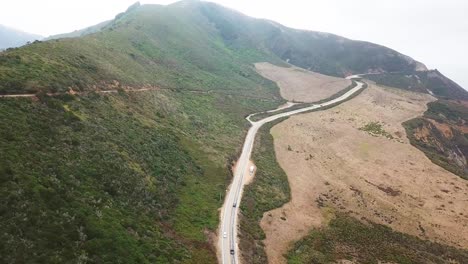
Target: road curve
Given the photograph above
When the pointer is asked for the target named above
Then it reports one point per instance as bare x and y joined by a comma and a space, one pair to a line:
228, 227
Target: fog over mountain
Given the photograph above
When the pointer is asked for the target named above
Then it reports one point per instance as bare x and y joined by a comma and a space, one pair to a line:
10, 37
419, 28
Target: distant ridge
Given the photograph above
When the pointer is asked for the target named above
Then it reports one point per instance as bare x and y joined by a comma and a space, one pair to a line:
10, 38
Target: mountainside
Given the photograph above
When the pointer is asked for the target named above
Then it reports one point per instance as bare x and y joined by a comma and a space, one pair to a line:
124, 153
317, 51
14, 38
151, 41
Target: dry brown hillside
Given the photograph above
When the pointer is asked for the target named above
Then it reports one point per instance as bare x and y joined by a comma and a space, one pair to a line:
356, 158
299, 85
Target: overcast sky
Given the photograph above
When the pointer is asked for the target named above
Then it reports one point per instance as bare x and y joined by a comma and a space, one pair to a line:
434, 32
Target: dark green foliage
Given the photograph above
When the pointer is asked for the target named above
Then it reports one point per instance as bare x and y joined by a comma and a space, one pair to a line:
449, 111
348, 238
376, 129
129, 178
87, 183
320, 52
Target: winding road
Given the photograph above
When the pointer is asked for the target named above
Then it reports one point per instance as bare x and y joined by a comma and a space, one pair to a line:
228, 227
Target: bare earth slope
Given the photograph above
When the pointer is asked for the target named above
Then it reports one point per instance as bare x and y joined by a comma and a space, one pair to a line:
333, 165
297, 84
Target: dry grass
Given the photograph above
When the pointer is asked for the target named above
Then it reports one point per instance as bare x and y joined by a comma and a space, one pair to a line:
299, 85
332, 165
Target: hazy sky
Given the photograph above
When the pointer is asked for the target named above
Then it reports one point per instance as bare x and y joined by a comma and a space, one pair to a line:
434, 32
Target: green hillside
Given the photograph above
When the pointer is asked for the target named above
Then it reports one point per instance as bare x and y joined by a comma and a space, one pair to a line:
81, 32
133, 177
317, 51
137, 177
189, 42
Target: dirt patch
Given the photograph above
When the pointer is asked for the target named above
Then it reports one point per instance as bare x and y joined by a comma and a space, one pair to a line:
299, 85
445, 129
332, 165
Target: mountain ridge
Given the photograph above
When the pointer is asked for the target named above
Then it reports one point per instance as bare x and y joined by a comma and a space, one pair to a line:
92, 176
331, 55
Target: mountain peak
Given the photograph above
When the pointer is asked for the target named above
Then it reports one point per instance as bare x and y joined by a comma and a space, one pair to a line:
133, 6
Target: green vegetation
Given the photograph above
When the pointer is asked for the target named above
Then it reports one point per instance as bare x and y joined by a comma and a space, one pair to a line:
269, 190
82, 32
347, 238
136, 177
447, 111
446, 150
194, 43
169, 47
376, 129
320, 52
127, 177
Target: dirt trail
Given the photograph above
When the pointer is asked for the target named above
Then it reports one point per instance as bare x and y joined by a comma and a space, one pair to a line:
333, 165
299, 85
79, 93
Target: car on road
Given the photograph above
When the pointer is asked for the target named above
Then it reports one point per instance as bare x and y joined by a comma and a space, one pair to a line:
252, 169
225, 234
232, 251
234, 204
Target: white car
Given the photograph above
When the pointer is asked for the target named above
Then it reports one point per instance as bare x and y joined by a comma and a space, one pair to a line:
225, 234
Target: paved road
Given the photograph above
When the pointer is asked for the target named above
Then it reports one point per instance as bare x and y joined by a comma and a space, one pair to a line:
228, 226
